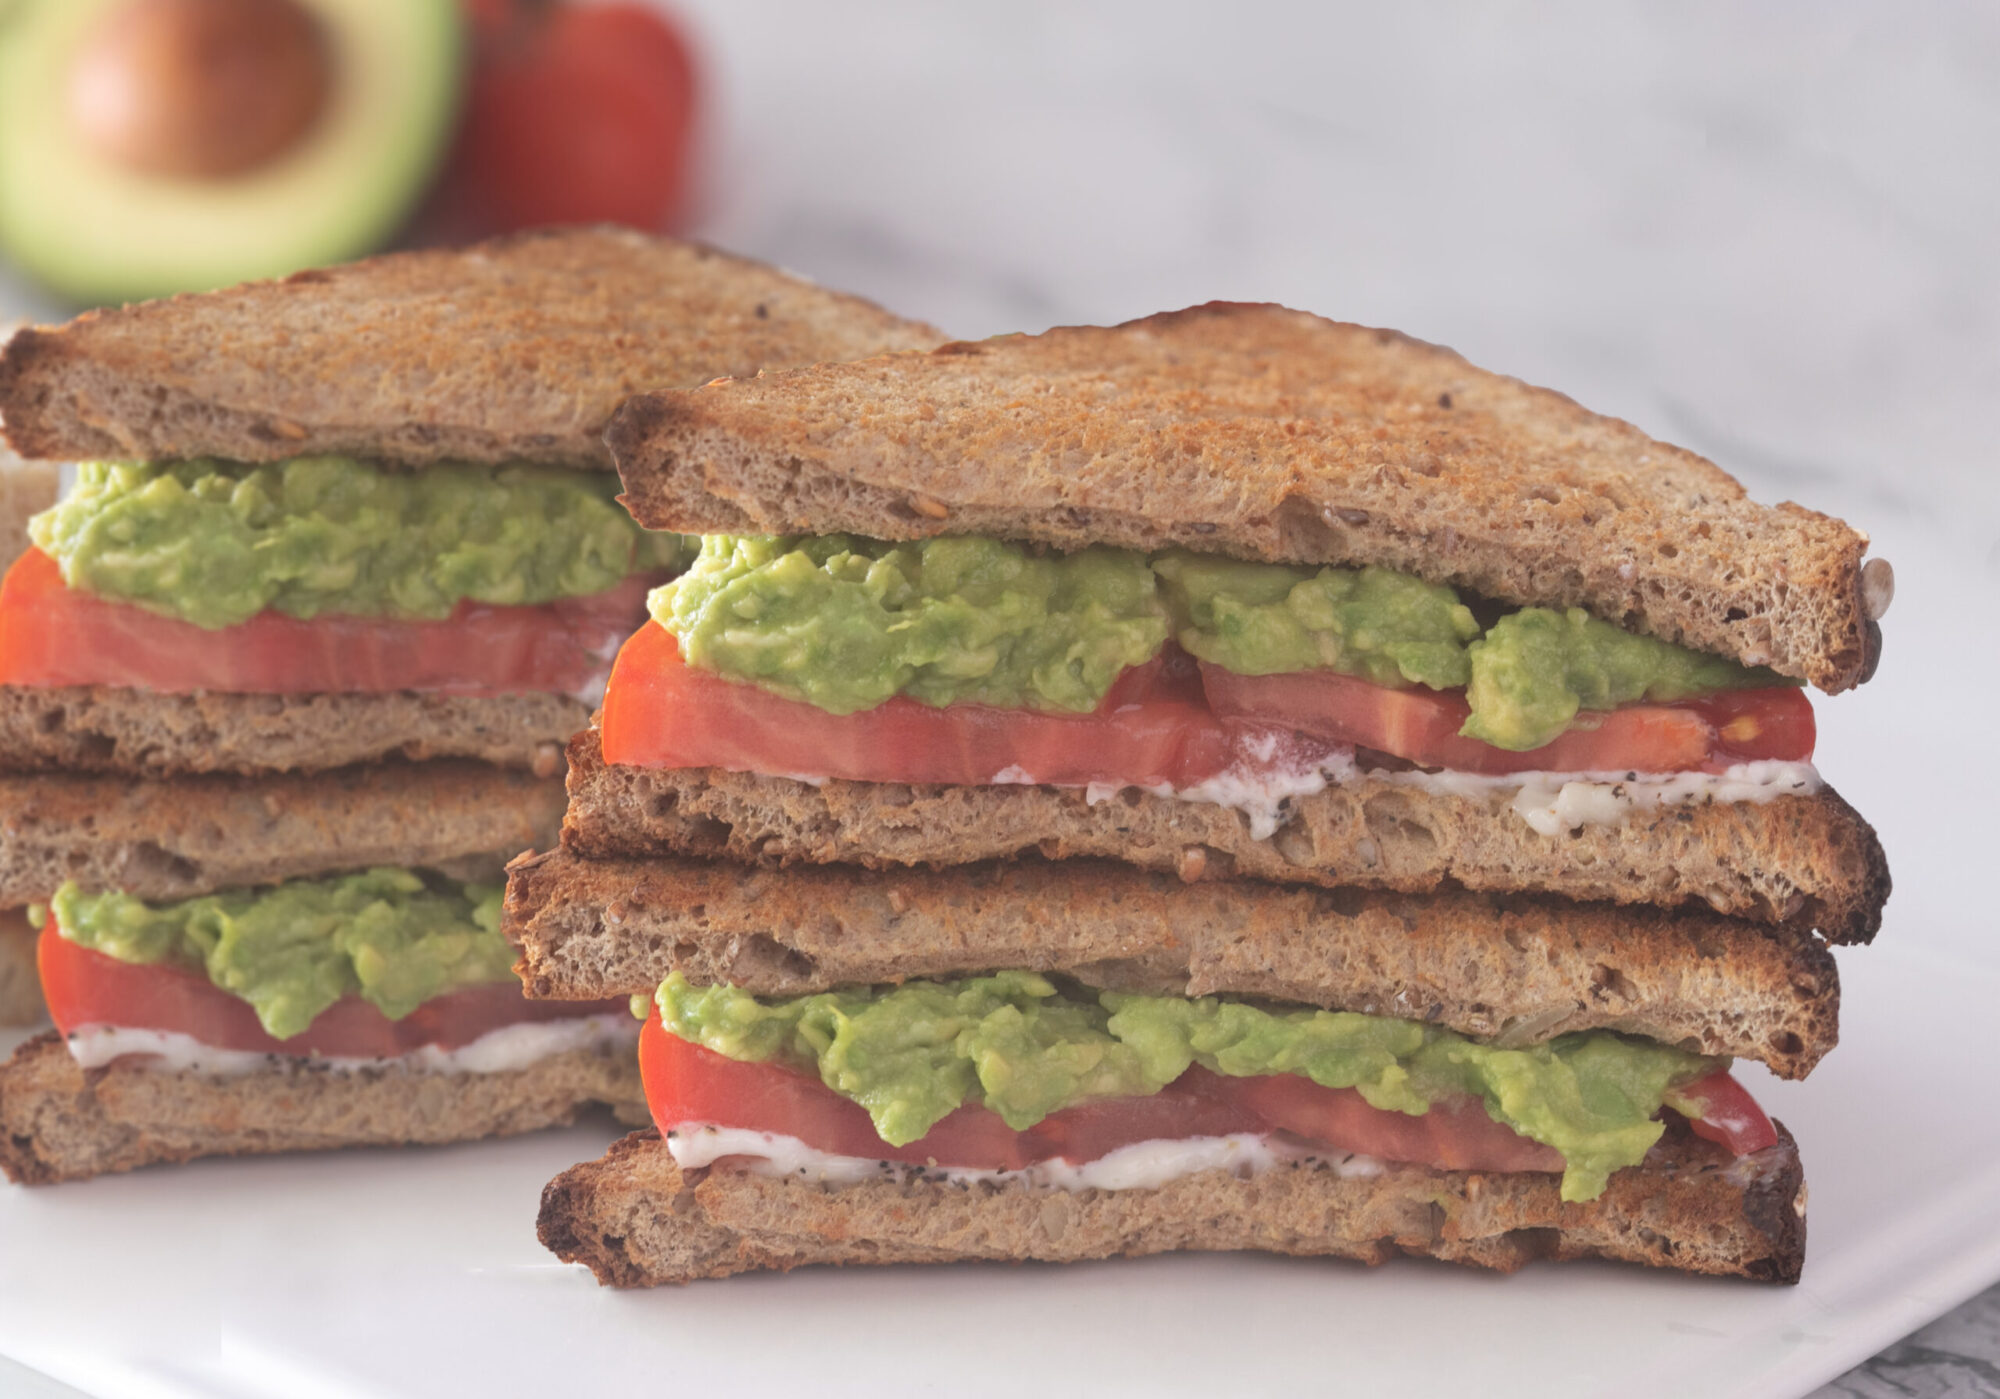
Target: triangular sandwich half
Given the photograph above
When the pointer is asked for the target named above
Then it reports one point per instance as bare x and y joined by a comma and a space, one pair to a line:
1060, 1061
287, 678
1234, 591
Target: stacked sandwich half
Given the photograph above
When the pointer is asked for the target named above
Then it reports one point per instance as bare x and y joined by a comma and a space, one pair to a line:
286, 679
1232, 780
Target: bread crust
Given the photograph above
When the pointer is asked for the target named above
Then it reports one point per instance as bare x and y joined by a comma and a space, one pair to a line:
514, 349
635, 1219
141, 733
1516, 970
174, 838
1263, 433
20, 983
1805, 862
59, 1122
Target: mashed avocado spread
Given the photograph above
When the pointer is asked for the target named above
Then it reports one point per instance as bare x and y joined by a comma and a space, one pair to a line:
390, 936
1019, 1044
215, 543
844, 623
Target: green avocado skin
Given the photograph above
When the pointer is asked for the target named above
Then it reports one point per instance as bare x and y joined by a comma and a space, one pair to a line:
390, 936
845, 623
215, 543
1024, 1047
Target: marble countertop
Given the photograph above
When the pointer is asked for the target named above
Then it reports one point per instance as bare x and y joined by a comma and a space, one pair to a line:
1763, 231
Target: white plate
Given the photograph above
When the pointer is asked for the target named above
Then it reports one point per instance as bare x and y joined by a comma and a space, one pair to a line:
417, 1273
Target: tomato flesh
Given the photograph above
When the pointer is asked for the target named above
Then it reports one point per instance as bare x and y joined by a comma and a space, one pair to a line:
1152, 729
1728, 1114
1164, 723
688, 1084
1422, 726
52, 634
87, 988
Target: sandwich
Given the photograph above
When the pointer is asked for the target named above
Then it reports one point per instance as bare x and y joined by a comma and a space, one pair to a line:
26, 489
1230, 780
285, 678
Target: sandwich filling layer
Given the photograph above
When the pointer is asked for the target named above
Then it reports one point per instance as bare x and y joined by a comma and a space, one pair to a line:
367, 967
975, 662
1001, 1072
328, 574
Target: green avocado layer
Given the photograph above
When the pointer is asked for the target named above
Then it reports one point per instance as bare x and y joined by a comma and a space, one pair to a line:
390, 936
844, 623
215, 543
1018, 1044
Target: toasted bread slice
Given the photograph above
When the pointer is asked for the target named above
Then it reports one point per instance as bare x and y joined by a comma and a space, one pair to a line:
26, 489
20, 986
1806, 862
635, 1219
142, 733
516, 349
1516, 970
1269, 434
60, 1122
174, 838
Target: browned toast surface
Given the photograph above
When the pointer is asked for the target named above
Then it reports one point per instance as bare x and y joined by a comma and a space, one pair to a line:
1518, 970
514, 349
1264, 433
141, 733
60, 1122
635, 1219
174, 838
1807, 862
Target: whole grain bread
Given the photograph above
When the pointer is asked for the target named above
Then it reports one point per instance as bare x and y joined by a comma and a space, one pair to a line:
20, 985
635, 1219
59, 1122
143, 733
513, 349
26, 489
174, 838
1513, 970
1806, 862
1264, 433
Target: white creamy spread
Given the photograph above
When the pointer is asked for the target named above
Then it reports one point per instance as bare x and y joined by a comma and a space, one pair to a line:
1554, 802
498, 1051
1141, 1166
1550, 802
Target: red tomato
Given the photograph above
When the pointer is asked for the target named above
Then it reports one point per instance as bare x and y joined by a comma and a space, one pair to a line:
1457, 1135
1421, 726
52, 634
660, 712
83, 988
578, 114
686, 1083
1728, 1114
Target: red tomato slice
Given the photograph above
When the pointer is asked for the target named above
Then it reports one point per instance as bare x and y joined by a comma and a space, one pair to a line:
686, 1083
1152, 728
1421, 726
83, 987
52, 634
1456, 1134
1728, 1114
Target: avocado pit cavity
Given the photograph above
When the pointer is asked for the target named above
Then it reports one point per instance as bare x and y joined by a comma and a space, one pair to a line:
201, 89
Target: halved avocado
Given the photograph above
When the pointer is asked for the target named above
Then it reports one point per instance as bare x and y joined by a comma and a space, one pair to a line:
96, 229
